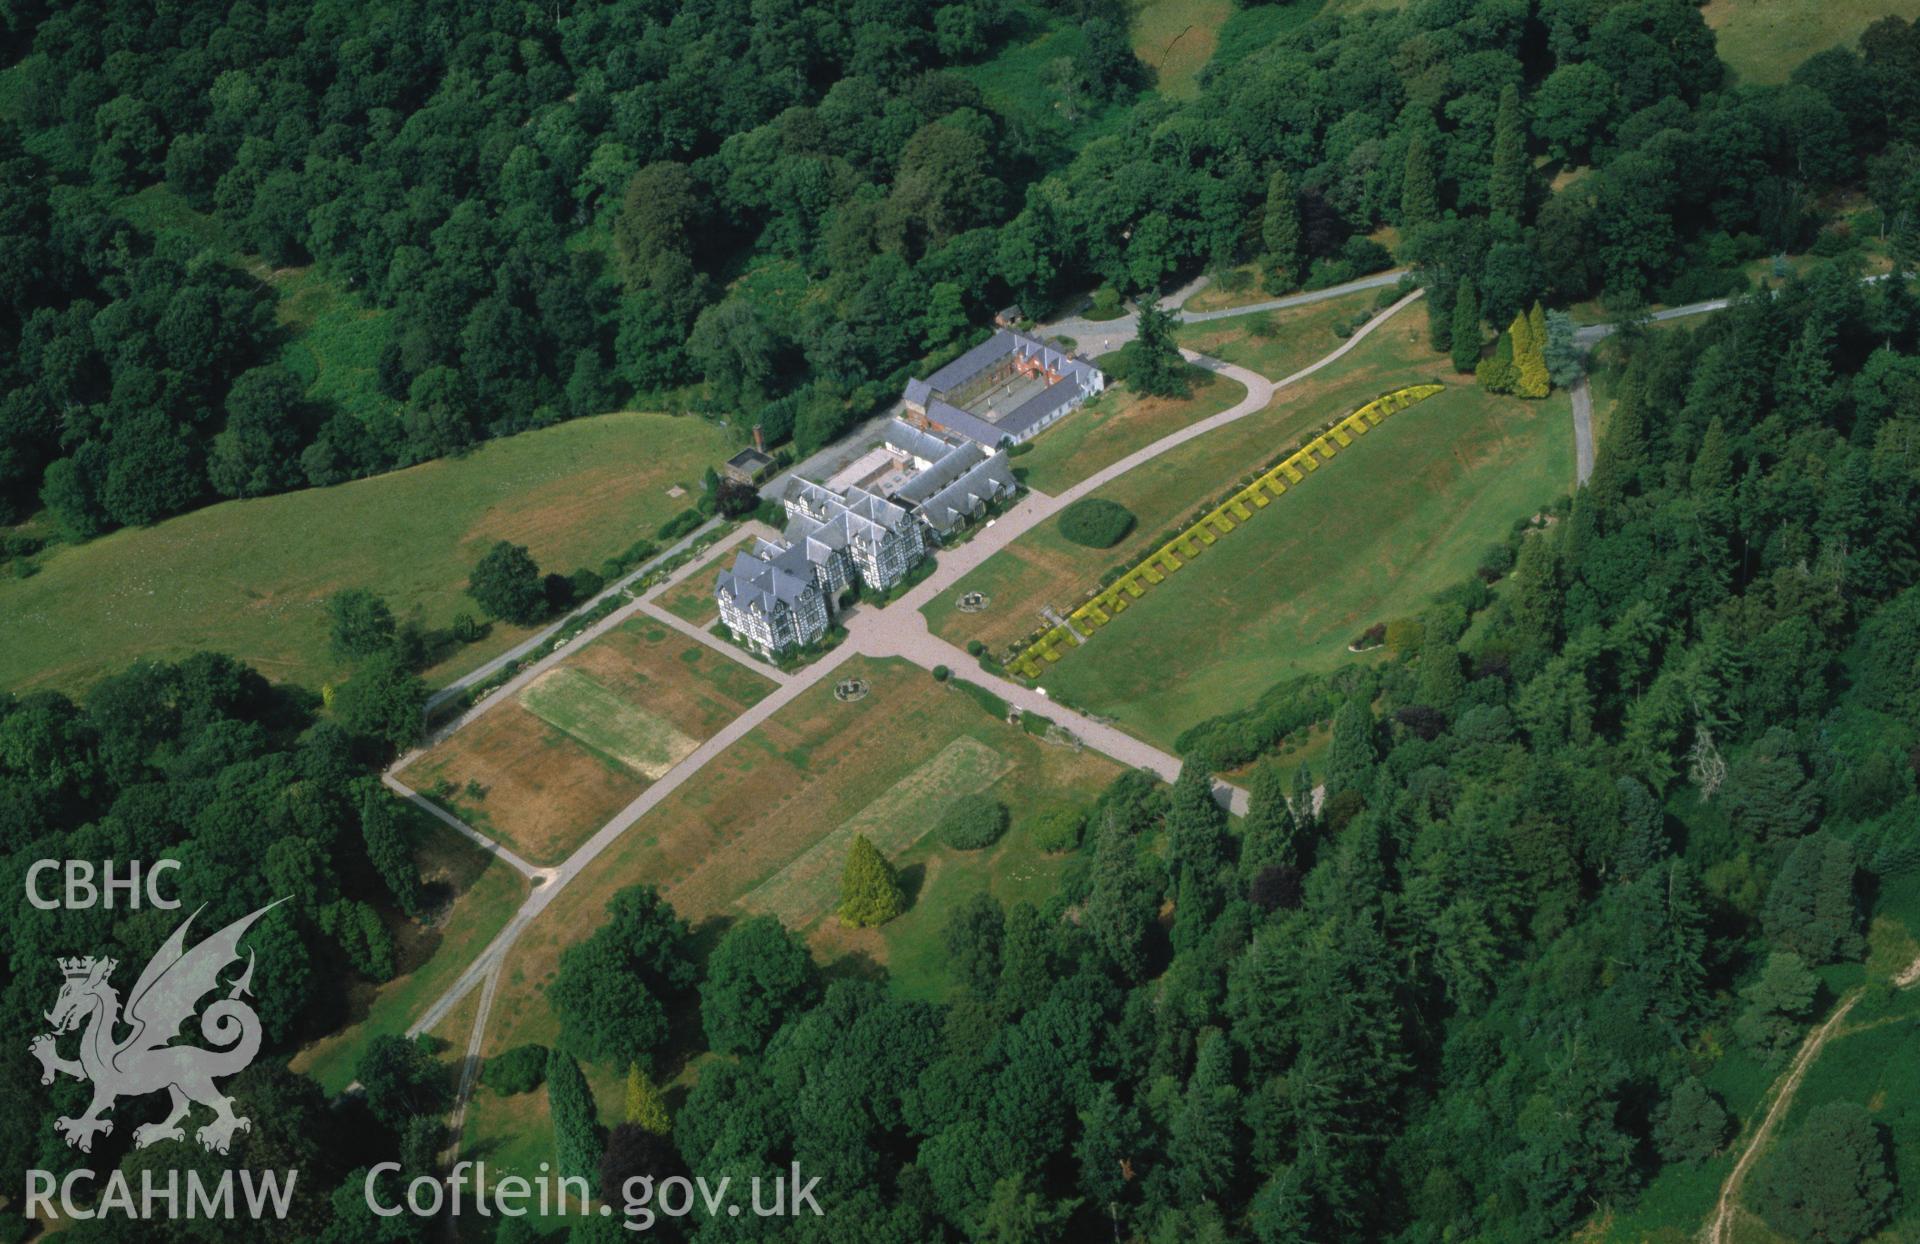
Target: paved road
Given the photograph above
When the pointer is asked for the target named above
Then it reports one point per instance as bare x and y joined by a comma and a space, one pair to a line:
1096, 337
824, 462
1582, 431
438, 813
897, 630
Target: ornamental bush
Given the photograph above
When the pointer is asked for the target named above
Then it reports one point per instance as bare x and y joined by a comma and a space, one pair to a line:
973, 822
1057, 830
1096, 523
521, 1069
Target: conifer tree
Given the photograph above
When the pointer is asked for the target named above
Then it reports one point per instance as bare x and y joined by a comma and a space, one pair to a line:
1419, 186
1196, 823
1811, 907
1466, 328
869, 892
1119, 907
1496, 372
1507, 191
576, 1130
1026, 961
1562, 353
1158, 368
1267, 833
645, 1106
1441, 682
1205, 1144
1529, 360
1280, 231
1350, 754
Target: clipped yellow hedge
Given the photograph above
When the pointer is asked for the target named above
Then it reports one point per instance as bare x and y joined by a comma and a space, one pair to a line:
1191, 541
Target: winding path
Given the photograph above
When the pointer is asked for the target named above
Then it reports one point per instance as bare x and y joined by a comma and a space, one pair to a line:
900, 630
1096, 337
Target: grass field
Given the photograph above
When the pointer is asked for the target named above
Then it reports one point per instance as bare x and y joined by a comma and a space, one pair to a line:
1278, 343
481, 894
816, 766
819, 768
1398, 517
582, 740
250, 577
1176, 39
603, 721
1395, 520
1115, 424
1041, 568
808, 887
1763, 40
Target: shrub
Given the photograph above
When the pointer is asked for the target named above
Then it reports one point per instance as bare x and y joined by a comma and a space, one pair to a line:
941, 673
1057, 830
1096, 523
973, 822
975, 647
869, 892
521, 1069
680, 524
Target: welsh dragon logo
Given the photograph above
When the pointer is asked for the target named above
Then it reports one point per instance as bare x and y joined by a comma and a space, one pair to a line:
165, 997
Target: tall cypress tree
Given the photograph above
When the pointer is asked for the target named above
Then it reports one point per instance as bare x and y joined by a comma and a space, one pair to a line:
1280, 230
1441, 682
1507, 190
1350, 754
1267, 834
869, 892
576, 1128
645, 1107
1205, 1146
1529, 359
1119, 906
1466, 328
1197, 824
1419, 186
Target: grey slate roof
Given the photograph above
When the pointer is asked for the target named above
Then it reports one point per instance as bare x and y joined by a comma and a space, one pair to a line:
922, 444
767, 578
969, 494
971, 426
1077, 378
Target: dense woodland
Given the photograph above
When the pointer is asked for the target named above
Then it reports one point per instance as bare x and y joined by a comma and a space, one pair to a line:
563, 206
1565, 863
1603, 818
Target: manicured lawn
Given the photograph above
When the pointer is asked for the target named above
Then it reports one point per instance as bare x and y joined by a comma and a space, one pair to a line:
817, 766
736, 840
1115, 424
250, 578
582, 740
1395, 519
479, 895
1043, 569
1278, 343
1763, 40
1012, 869
1176, 39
